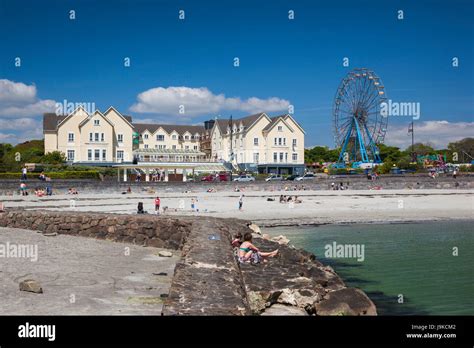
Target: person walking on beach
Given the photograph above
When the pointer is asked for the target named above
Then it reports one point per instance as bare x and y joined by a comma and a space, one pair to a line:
23, 189
194, 206
23, 173
157, 205
241, 202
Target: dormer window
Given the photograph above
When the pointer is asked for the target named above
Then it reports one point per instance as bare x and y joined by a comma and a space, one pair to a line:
186, 137
280, 128
96, 122
145, 136
160, 137
173, 137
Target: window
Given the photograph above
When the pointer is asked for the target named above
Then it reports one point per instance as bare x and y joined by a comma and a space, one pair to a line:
97, 154
96, 122
255, 141
160, 137
70, 155
286, 156
279, 142
295, 157
90, 137
275, 157
187, 147
96, 137
186, 137
145, 136
173, 137
120, 138
89, 154
280, 128
281, 156
256, 157
195, 147
241, 142
162, 146
174, 147
102, 137
276, 141
120, 154
104, 155
70, 137
294, 142
284, 141
146, 146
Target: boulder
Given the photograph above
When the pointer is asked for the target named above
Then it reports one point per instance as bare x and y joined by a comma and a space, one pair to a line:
349, 301
165, 253
279, 309
255, 229
281, 240
31, 285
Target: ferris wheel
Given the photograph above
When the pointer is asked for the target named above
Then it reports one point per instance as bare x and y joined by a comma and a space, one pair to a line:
359, 124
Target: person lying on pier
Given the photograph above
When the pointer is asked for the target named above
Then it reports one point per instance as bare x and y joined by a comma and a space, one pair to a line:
250, 253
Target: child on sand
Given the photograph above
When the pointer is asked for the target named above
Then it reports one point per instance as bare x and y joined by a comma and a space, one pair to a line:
157, 205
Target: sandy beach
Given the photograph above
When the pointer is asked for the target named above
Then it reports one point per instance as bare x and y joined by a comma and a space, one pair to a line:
317, 207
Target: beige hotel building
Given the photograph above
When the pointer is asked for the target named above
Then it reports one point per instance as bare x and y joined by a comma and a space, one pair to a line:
254, 143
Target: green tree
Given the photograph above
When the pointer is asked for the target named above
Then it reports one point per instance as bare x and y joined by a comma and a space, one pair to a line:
390, 153
464, 149
55, 157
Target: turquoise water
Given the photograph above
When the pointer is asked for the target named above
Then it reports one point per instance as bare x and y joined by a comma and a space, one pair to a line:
414, 259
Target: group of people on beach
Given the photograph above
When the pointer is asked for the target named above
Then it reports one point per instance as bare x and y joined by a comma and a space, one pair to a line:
247, 252
289, 199
341, 186
296, 188
40, 191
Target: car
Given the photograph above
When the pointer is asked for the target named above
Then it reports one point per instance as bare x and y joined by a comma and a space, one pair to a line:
308, 176
216, 177
292, 177
274, 177
244, 178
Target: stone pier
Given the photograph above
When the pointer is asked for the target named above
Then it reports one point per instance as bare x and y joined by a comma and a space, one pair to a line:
207, 278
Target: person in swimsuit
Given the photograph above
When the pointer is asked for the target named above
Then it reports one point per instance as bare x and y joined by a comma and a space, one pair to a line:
248, 251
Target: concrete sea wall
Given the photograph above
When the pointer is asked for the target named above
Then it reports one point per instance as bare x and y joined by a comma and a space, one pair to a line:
389, 182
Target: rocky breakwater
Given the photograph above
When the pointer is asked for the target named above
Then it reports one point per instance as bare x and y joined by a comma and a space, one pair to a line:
208, 279
295, 283
146, 230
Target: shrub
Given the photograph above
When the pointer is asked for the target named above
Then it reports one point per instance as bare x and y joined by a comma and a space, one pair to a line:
56, 175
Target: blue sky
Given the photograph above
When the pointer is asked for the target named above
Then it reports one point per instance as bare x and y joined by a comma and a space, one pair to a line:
292, 61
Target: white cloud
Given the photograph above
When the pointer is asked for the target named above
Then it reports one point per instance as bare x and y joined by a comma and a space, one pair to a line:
16, 131
19, 124
200, 101
20, 100
437, 133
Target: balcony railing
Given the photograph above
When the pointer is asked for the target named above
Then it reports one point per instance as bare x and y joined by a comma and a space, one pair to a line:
177, 159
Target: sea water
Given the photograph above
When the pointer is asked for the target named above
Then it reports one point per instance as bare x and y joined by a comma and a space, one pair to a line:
407, 269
